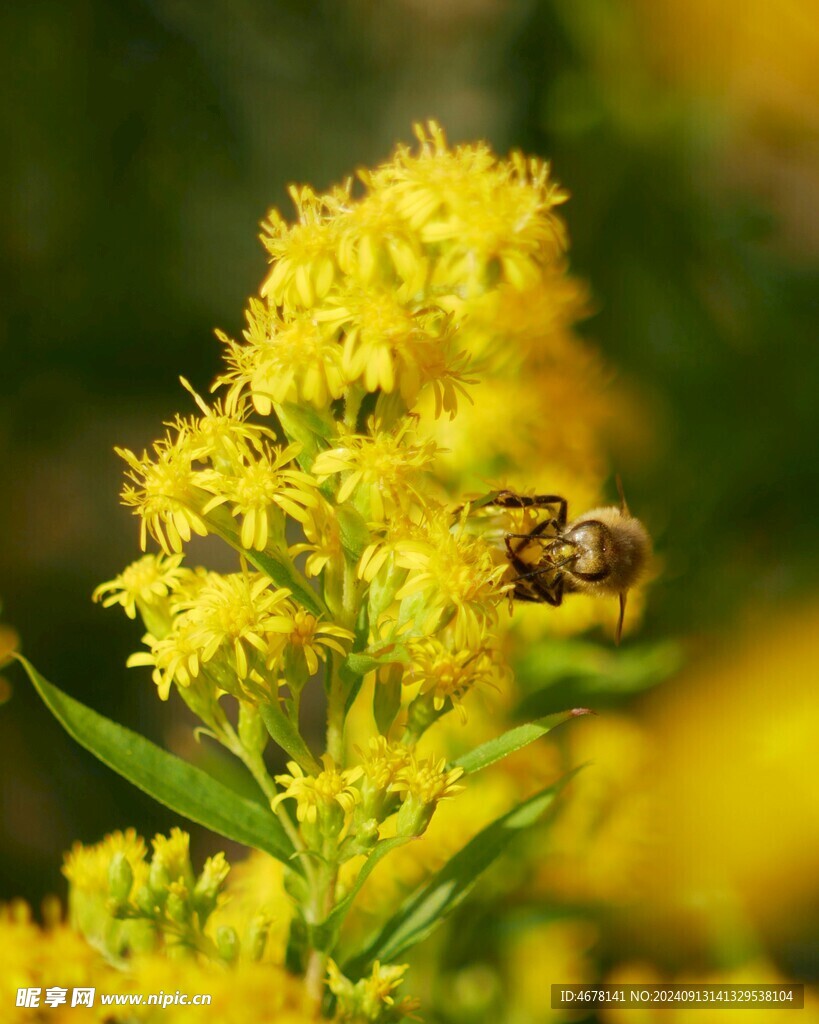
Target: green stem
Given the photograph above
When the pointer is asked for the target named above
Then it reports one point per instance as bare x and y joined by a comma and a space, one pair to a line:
335, 715
322, 905
256, 766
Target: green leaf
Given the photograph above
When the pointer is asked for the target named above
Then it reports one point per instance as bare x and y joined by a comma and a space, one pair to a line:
387, 698
508, 742
362, 662
304, 424
430, 904
355, 534
282, 574
325, 934
285, 733
173, 782
351, 671
576, 674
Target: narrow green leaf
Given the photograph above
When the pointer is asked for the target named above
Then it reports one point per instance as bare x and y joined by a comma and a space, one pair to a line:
285, 733
355, 534
387, 698
325, 934
508, 742
362, 662
304, 424
173, 782
571, 673
351, 671
297, 946
428, 906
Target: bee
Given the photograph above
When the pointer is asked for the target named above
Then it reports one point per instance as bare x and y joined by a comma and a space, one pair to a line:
602, 552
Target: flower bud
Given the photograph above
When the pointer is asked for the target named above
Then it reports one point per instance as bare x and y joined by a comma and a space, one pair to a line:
361, 842
257, 936
227, 943
120, 880
414, 816
176, 905
208, 886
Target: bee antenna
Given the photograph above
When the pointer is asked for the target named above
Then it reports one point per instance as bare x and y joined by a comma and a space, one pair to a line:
621, 492
619, 632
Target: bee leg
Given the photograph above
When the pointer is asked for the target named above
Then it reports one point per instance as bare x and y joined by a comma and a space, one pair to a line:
508, 499
537, 530
549, 593
540, 593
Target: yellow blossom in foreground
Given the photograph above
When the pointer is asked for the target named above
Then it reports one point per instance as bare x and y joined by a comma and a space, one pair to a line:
289, 360
232, 614
379, 469
303, 254
371, 998
451, 675
307, 636
43, 957
256, 485
173, 659
145, 581
163, 491
313, 793
457, 576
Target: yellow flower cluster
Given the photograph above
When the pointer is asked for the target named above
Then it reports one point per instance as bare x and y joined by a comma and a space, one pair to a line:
436, 278
125, 905
40, 957
379, 307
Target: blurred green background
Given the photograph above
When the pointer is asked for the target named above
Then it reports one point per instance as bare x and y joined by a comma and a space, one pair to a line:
144, 141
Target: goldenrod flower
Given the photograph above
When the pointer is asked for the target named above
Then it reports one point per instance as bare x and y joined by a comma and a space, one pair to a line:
308, 636
379, 469
484, 212
376, 246
256, 487
164, 493
450, 675
371, 998
171, 857
318, 797
216, 434
174, 658
303, 255
384, 337
322, 532
423, 783
293, 360
428, 780
457, 576
381, 763
86, 867
147, 581
231, 615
